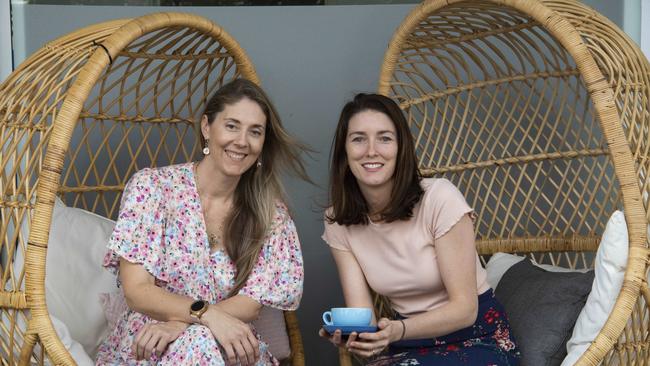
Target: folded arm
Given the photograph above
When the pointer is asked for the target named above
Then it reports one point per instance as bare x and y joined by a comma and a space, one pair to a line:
226, 320
143, 296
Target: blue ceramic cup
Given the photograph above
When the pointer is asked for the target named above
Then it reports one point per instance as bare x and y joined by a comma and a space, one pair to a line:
346, 317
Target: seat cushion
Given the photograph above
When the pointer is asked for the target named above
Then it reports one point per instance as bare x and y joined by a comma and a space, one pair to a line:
542, 307
74, 273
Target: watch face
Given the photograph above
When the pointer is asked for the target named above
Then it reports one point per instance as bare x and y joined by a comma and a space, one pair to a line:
197, 305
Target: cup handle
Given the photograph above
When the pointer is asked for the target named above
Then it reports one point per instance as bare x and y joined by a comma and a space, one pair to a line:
327, 318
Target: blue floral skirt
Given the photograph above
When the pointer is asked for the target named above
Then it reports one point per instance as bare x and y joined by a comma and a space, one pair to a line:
487, 342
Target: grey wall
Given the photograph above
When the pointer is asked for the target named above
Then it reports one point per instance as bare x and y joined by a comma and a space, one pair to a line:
611, 9
310, 60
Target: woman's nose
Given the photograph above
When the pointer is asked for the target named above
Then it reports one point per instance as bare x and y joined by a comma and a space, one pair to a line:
371, 149
241, 139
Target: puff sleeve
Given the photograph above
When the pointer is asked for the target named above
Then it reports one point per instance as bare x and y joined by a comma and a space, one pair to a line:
138, 236
277, 278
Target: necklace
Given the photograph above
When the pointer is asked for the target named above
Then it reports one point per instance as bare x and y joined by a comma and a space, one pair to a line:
214, 239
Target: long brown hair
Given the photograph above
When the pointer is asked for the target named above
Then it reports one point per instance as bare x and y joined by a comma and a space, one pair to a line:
348, 206
254, 202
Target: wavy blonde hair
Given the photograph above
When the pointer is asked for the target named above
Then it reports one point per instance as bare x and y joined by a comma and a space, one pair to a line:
254, 204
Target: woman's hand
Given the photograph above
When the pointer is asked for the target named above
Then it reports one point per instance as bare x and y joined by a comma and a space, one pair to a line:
371, 344
154, 337
234, 336
335, 338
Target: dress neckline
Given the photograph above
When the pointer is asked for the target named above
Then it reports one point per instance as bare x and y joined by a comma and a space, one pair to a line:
206, 243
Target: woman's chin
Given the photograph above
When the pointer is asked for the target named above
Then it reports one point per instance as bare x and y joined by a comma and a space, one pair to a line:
373, 183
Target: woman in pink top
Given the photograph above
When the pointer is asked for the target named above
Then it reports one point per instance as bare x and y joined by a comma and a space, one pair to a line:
411, 241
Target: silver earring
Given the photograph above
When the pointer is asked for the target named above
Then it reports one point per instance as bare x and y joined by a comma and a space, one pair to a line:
206, 149
259, 163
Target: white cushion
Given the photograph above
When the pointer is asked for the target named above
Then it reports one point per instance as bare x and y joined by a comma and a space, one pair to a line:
611, 261
499, 263
74, 273
497, 266
76, 350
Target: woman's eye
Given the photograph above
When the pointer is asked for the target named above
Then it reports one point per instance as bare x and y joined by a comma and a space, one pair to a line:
256, 133
231, 126
385, 139
357, 139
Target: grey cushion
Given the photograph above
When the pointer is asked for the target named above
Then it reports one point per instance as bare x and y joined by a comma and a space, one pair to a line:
542, 308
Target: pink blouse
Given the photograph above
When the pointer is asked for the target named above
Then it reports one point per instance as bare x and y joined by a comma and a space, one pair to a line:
399, 258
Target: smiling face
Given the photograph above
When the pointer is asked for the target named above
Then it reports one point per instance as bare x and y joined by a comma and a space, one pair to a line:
236, 137
371, 148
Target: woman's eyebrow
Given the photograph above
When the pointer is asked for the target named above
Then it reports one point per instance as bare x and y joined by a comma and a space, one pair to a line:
235, 120
356, 133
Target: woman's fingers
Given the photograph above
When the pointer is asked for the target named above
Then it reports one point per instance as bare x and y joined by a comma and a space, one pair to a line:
255, 344
153, 338
162, 345
323, 333
230, 354
364, 345
136, 341
366, 349
376, 336
368, 344
150, 346
249, 353
142, 339
250, 347
383, 323
240, 353
335, 338
351, 338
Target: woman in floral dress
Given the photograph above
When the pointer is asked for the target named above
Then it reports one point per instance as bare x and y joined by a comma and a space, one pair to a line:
201, 247
410, 240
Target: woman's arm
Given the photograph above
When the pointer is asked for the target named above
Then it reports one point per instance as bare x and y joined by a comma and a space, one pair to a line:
241, 307
355, 289
456, 258
143, 296
232, 333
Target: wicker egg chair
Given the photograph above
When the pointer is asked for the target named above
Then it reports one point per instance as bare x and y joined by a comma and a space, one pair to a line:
539, 112
77, 119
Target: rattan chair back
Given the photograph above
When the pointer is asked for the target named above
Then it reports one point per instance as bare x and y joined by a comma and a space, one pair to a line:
77, 119
539, 112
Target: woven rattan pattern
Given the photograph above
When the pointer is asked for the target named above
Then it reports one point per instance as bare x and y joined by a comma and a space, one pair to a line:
539, 112
127, 93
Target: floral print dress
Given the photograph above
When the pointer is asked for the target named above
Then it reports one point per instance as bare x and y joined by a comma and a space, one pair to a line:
486, 343
160, 226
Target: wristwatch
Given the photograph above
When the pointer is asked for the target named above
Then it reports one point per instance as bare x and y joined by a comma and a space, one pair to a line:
198, 308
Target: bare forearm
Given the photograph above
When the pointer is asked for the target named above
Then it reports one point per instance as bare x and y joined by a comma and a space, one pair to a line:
441, 321
163, 305
159, 303
241, 307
